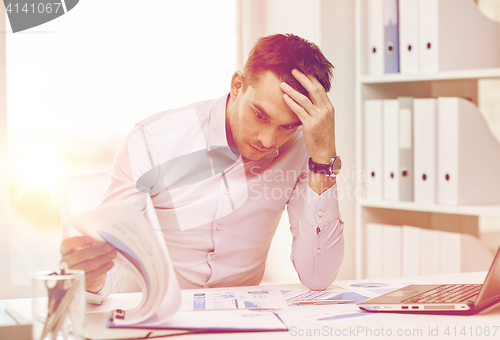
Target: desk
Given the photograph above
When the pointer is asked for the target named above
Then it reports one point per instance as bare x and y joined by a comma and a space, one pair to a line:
376, 326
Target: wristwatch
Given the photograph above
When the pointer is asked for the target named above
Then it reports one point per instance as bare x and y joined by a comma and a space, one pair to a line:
331, 169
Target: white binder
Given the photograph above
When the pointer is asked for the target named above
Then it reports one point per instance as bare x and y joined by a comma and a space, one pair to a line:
391, 36
456, 35
375, 34
373, 247
425, 150
411, 251
430, 254
373, 149
450, 252
405, 149
391, 251
408, 36
469, 155
390, 167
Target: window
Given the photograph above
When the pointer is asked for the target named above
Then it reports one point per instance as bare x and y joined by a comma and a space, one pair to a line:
76, 86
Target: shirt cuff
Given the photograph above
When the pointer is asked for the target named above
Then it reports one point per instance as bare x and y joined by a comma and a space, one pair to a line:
321, 210
98, 298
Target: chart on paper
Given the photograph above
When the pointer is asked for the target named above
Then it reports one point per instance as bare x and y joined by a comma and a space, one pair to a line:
251, 299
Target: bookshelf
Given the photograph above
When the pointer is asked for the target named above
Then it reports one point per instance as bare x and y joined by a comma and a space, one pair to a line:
461, 83
487, 73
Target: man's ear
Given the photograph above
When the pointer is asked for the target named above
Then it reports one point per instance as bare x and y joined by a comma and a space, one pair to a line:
236, 84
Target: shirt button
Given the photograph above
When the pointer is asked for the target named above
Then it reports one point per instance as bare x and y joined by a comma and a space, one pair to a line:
320, 213
318, 250
214, 256
226, 192
218, 227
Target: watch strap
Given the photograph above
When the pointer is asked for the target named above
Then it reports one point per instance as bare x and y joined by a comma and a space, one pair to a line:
324, 169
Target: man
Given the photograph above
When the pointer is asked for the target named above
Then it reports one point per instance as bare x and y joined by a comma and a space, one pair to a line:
221, 172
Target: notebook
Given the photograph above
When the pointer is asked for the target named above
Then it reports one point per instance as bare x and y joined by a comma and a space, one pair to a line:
441, 298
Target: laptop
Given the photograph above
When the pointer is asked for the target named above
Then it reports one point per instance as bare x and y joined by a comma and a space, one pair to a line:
457, 299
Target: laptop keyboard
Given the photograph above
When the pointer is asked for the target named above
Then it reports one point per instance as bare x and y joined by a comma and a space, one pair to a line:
447, 294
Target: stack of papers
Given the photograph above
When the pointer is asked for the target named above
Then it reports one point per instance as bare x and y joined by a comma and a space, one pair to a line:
217, 321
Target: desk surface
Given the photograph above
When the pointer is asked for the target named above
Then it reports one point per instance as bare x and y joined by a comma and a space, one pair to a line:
485, 325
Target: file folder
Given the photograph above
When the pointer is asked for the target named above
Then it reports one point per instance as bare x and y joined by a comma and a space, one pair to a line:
391, 36
430, 254
469, 155
373, 149
408, 36
391, 251
450, 252
456, 35
375, 34
425, 150
391, 176
411, 251
373, 246
405, 149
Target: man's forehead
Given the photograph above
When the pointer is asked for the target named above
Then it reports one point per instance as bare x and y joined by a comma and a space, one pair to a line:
282, 117
267, 97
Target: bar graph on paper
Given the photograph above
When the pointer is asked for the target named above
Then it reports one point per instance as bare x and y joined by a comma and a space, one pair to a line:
251, 299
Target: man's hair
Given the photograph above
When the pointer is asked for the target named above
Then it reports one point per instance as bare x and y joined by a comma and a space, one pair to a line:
280, 54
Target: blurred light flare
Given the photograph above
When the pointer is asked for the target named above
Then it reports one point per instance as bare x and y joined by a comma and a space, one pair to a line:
40, 167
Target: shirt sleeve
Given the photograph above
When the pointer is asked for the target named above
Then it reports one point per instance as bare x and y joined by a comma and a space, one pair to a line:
117, 281
317, 230
98, 298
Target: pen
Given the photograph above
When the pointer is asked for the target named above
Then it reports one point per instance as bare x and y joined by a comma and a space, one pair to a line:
321, 302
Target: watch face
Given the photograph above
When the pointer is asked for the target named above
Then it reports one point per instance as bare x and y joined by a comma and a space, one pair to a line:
336, 166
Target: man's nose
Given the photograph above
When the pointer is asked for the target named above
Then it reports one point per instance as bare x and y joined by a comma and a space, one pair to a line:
267, 138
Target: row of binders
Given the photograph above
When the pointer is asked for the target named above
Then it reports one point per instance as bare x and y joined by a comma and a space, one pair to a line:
428, 36
429, 150
394, 251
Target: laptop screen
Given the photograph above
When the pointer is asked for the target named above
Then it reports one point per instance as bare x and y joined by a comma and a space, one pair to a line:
491, 287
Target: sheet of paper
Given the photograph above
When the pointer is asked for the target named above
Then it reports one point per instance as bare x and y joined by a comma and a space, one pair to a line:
334, 292
96, 329
219, 320
141, 251
376, 288
208, 300
321, 313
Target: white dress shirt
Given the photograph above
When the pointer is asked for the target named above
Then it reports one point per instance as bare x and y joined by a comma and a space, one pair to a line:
218, 214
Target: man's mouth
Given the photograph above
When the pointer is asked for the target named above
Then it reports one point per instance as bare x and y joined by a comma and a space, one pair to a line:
259, 150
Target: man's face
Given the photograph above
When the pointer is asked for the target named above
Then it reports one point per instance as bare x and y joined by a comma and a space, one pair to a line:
258, 121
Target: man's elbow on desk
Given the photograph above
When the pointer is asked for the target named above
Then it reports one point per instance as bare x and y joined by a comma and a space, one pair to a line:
325, 268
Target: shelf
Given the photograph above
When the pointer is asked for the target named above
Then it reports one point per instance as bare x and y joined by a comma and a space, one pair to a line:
447, 75
474, 210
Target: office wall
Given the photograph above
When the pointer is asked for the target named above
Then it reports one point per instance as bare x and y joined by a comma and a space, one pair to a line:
329, 24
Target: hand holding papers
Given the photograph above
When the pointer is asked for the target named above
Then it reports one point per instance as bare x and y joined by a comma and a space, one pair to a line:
141, 251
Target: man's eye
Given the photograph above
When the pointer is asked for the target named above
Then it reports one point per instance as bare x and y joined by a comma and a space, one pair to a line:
259, 116
288, 127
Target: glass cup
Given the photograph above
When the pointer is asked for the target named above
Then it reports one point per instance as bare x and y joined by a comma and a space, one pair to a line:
58, 304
